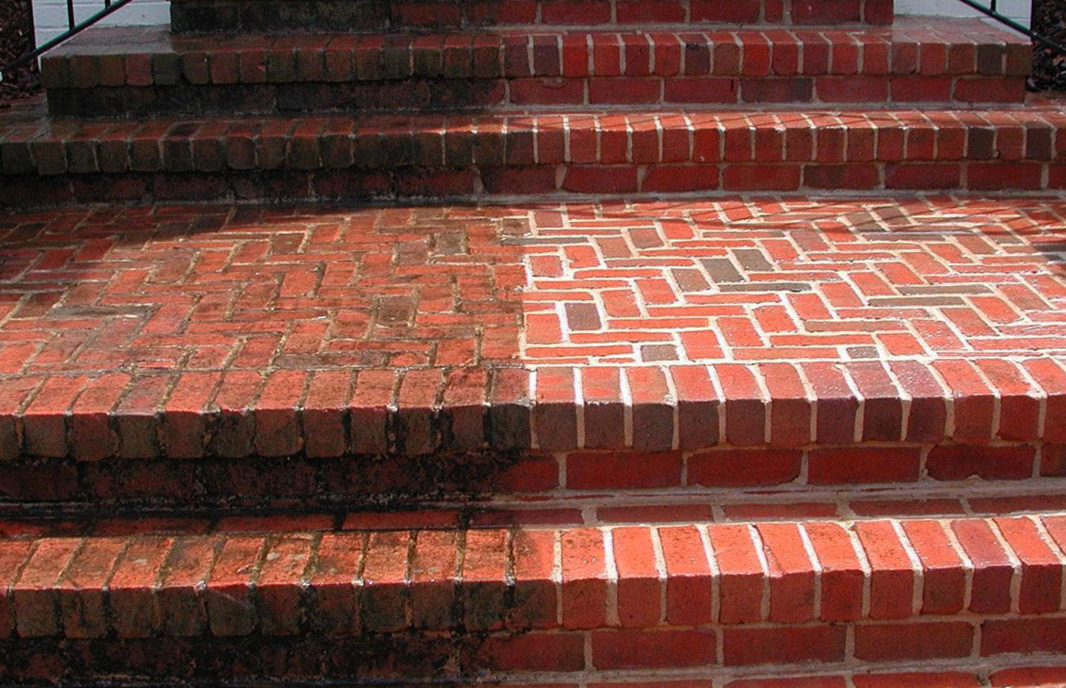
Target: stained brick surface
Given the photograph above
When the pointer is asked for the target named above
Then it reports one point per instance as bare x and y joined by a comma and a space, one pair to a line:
906, 63
284, 15
272, 332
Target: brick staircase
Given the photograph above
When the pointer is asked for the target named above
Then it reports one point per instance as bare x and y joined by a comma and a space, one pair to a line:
607, 431
530, 99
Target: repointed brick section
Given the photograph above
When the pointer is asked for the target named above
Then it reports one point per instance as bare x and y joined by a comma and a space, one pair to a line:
360, 16
903, 64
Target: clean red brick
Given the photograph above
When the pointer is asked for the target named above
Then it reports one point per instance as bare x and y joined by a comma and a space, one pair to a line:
740, 573
584, 579
896, 642
652, 649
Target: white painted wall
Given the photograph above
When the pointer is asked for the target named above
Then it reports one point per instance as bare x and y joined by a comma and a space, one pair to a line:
1018, 10
50, 16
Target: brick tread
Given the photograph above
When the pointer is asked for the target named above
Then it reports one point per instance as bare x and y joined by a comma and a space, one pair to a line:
945, 330
147, 70
873, 575
420, 15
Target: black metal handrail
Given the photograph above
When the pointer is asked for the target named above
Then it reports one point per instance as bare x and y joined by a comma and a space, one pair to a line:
992, 11
73, 28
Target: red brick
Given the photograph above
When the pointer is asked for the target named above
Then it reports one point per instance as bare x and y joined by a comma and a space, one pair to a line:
783, 645
44, 421
463, 411
740, 574
790, 409
1052, 379
324, 411
130, 589
535, 591
959, 462
584, 581
689, 598
1041, 584
993, 572
882, 406
740, 467
417, 406
369, 409
179, 593
698, 406
612, 469
755, 177
647, 649
892, 576
604, 412
532, 652
652, 409
923, 176
485, 579
792, 575
927, 418
331, 584
229, 597
184, 426
279, 586
861, 465
944, 580
639, 603
13, 554
34, 596
745, 405
842, 576
836, 405
895, 642
91, 437
1023, 635
384, 588
1019, 415
81, 588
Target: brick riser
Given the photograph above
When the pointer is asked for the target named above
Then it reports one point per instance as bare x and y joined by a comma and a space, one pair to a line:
421, 184
486, 602
447, 157
360, 480
423, 95
373, 16
120, 72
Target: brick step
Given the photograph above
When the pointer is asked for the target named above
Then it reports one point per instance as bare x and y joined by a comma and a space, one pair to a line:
533, 156
371, 16
200, 353
157, 601
138, 71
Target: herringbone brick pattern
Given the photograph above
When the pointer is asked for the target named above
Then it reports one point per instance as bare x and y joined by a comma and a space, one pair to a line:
796, 280
191, 331
213, 288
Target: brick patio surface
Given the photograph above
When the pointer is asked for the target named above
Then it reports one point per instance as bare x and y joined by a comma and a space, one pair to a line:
941, 315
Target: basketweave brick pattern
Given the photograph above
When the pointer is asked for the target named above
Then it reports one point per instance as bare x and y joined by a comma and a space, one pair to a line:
781, 323
137, 71
749, 594
375, 16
